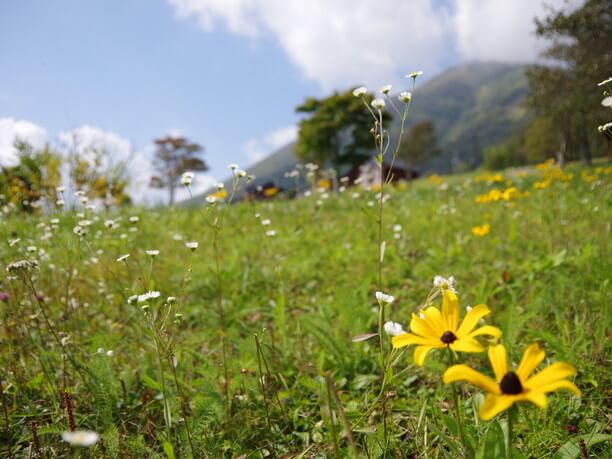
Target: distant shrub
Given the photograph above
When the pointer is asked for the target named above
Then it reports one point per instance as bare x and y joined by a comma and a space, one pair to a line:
506, 154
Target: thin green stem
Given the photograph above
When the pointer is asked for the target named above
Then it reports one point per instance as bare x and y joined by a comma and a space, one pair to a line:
451, 362
511, 415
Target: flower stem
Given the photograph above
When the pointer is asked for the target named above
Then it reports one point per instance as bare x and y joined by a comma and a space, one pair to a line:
451, 361
511, 416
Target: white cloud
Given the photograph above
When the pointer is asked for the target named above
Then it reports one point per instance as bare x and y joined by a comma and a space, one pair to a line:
341, 42
12, 130
258, 149
346, 42
500, 29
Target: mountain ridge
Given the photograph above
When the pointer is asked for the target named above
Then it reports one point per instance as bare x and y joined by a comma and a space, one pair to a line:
472, 106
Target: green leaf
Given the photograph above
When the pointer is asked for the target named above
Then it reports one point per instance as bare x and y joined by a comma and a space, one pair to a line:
571, 449
493, 445
150, 382
169, 450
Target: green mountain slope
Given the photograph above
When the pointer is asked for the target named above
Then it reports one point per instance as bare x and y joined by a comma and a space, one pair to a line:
472, 106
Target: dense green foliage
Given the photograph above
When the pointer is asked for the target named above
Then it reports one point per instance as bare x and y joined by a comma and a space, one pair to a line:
419, 144
566, 92
336, 132
263, 335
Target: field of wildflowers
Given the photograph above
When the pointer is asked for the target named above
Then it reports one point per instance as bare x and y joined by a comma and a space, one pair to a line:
315, 327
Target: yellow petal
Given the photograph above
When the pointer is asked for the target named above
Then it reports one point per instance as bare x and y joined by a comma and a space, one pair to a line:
421, 352
495, 404
550, 374
423, 328
562, 384
433, 317
532, 357
465, 373
497, 356
450, 310
406, 339
471, 319
466, 345
486, 330
537, 398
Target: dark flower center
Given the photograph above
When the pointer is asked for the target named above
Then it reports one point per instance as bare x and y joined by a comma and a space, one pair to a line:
511, 384
448, 337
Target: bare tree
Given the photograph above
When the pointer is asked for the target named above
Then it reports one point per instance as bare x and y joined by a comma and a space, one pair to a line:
173, 156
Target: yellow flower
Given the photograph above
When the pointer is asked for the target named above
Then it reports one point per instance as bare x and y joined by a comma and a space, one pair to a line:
435, 329
514, 386
481, 230
220, 194
269, 192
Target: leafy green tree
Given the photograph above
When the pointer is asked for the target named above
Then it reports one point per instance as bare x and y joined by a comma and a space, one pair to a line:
173, 157
92, 169
337, 132
37, 175
565, 91
419, 144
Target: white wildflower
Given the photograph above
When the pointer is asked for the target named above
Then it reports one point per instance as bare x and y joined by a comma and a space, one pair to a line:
123, 257
148, 296
270, 233
81, 437
414, 74
386, 89
360, 91
152, 253
393, 328
186, 178
405, 96
378, 104
191, 245
384, 298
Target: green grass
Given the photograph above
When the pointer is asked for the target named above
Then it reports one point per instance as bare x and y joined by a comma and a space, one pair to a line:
265, 332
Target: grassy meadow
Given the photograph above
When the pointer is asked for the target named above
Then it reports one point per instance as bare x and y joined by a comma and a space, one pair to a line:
245, 346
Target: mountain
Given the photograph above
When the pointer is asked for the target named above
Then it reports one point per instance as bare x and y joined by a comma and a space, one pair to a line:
472, 107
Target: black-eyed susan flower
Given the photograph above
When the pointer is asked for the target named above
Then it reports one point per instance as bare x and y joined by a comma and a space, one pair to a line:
440, 329
520, 385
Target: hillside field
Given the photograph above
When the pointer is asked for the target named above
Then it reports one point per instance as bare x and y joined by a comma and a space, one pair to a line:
254, 353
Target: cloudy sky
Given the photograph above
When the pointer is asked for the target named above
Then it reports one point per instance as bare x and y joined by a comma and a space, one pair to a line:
225, 73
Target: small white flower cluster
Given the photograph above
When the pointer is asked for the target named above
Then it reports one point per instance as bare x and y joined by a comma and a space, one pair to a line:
101, 351
378, 103
150, 295
238, 173
22, 265
397, 231
445, 283
152, 253
192, 245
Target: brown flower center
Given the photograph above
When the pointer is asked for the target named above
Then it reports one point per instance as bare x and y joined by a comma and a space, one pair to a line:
511, 384
448, 337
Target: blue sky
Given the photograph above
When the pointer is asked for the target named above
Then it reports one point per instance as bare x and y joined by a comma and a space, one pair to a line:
227, 74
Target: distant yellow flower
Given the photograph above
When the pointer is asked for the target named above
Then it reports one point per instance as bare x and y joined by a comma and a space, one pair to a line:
481, 230
508, 386
324, 183
220, 194
435, 329
269, 192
